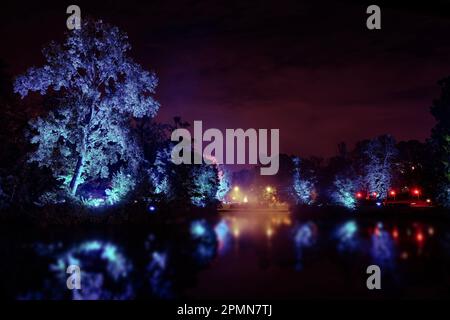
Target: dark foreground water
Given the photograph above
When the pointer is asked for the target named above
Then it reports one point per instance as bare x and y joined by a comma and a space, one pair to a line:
232, 255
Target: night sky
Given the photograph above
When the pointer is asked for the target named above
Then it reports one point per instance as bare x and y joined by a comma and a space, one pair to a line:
311, 69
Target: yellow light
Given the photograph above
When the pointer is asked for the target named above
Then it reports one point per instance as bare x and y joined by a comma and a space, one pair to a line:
236, 232
269, 232
269, 189
245, 200
236, 189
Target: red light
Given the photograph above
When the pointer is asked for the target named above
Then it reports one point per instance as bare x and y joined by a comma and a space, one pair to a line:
419, 237
359, 195
374, 194
416, 191
395, 233
377, 232
392, 193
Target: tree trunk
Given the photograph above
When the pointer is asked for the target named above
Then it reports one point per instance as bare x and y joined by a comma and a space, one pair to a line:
76, 176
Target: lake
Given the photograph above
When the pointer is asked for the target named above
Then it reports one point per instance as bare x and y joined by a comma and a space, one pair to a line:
233, 255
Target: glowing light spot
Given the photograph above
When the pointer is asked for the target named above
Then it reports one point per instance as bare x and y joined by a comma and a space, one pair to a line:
359, 195
346, 235
221, 230
198, 228
245, 200
395, 234
420, 237
269, 189
151, 208
236, 189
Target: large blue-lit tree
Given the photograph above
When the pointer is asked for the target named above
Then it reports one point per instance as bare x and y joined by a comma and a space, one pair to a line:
98, 90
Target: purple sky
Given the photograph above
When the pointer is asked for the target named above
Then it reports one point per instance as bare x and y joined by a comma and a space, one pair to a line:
312, 70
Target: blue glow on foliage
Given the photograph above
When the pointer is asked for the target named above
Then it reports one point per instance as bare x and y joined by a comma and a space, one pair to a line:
344, 193
302, 187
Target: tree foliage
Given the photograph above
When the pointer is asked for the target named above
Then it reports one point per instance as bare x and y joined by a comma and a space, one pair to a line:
440, 142
378, 162
98, 89
303, 183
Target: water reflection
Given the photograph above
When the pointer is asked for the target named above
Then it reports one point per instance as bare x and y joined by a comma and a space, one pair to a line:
256, 224
199, 257
305, 237
223, 236
382, 249
346, 235
104, 268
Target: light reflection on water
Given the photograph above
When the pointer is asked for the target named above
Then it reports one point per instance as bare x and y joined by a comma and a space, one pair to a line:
190, 259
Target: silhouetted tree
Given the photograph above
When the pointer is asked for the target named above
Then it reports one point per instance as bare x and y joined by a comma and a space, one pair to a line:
440, 142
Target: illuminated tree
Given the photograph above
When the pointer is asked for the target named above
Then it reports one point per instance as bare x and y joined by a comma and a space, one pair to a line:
205, 185
303, 183
159, 173
98, 90
345, 189
224, 183
378, 159
184, 184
